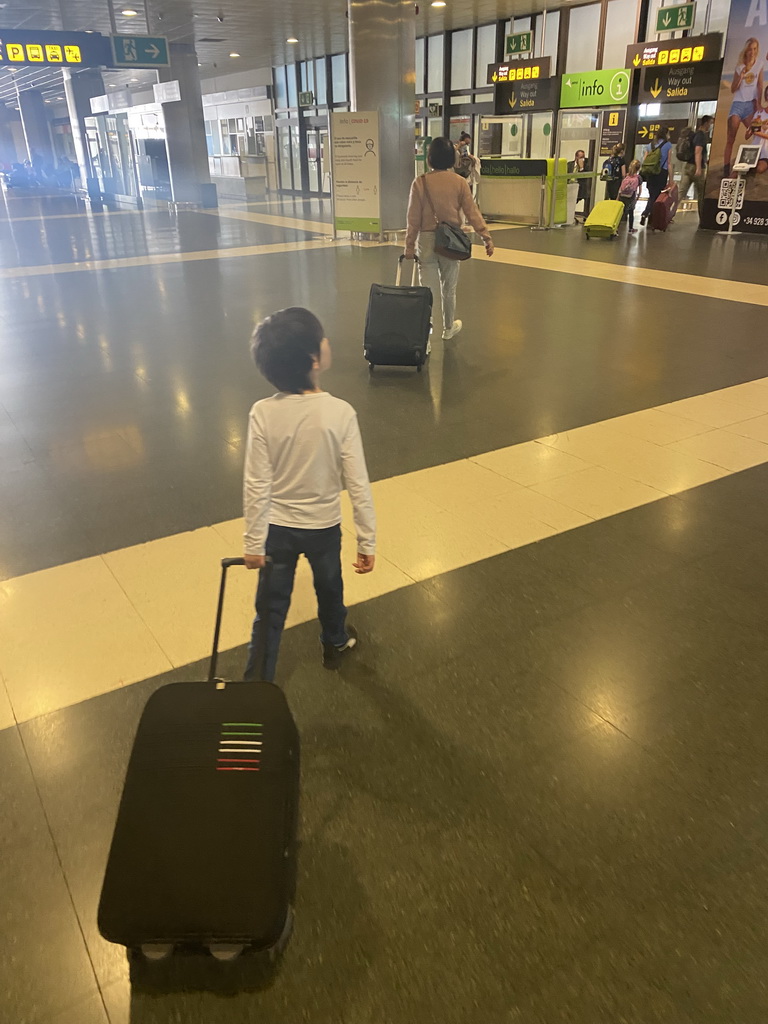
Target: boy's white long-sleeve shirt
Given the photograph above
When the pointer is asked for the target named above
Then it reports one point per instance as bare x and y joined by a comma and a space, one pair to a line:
302, 451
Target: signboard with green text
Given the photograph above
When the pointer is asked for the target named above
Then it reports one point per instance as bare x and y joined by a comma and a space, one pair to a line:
595, 88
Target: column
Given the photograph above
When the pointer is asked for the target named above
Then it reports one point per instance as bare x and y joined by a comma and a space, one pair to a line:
185, 130
79, 90
8, 153
382, 73
34, 118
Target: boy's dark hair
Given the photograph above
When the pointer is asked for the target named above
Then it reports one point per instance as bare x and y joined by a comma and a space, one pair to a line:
441, 154
285, 345
704, 121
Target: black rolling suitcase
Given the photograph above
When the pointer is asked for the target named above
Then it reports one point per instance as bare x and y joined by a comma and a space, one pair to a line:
398, 323
204, 850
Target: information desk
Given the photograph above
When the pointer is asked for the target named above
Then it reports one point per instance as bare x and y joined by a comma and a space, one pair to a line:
520, 191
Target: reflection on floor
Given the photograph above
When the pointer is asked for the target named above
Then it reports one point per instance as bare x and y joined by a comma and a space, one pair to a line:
536, 793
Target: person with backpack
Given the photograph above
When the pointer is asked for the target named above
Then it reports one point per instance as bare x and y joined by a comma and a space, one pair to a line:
655, 169
692, 153
614, 170
629, 190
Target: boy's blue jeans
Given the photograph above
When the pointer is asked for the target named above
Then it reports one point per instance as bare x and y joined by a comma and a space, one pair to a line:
273, 594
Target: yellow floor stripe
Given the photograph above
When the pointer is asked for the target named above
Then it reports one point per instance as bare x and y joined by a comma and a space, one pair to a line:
158, 259
273, 220
139, 611
688, 284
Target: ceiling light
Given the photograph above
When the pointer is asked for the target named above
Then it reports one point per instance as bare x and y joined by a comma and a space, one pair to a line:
234, 55
439, 3
134, 79
129, 12
292, 40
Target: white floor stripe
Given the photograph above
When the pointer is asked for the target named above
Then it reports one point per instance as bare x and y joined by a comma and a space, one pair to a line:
139, 611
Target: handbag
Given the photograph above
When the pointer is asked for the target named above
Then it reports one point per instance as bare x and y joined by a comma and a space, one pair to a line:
450, 242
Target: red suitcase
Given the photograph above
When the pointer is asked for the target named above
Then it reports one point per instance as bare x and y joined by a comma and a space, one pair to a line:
665, 208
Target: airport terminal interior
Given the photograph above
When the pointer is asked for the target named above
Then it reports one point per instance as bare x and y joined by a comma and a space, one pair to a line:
536, 792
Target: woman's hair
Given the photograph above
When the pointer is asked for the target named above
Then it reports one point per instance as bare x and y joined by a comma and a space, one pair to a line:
285, 346
750, 42
661, 135
634, 167
618, 149
441, 155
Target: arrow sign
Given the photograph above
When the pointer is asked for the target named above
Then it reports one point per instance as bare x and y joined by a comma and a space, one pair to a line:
655, 89
513, 101
636, 60
140, 51
643, 132
670, 18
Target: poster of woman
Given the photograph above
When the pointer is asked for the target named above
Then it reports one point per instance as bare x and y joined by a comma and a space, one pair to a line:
742, 114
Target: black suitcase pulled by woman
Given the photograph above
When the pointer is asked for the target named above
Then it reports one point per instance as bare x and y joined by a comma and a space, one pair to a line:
204, 849
398, 323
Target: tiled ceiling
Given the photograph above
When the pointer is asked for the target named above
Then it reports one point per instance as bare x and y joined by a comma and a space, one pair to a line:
256, 29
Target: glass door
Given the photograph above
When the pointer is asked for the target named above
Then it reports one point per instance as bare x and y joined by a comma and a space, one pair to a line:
314, 160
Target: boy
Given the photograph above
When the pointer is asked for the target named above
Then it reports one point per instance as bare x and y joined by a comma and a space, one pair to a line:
304, 447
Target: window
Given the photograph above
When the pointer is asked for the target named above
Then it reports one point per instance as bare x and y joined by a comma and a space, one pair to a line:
582, 38
435, 64
548, 46
486, 52
461, 60
339, 78
281, 92
619, 32
293, 98
320, 82
419, 66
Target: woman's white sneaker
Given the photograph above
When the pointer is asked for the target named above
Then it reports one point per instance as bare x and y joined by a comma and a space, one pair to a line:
453, 331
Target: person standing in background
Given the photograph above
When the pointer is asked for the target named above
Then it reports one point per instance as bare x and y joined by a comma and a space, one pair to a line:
695, 170
580, 165
617, 171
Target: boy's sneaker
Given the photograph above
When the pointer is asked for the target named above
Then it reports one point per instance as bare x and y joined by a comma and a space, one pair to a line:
452, 331
332, 656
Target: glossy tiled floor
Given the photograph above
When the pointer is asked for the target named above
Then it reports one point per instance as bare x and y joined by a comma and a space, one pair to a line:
538, 794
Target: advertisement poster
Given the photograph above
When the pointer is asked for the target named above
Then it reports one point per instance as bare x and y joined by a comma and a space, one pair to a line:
742, 116
355, 161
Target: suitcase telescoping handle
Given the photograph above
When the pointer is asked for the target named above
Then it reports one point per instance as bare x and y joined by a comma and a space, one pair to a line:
400, 271
226, 563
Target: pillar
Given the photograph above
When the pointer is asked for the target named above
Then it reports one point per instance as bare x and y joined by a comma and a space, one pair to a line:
34, 118
79, 90
8, 153
185, 129
382, 73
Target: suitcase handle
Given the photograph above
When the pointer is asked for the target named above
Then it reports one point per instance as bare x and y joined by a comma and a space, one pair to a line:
226, 563
400, 270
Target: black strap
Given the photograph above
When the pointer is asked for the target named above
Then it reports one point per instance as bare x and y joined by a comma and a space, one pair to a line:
429, 200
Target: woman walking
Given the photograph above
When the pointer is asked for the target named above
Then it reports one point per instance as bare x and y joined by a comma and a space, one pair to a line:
659, 180
436, 197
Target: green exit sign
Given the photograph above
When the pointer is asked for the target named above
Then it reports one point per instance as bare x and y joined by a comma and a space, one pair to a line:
672, 19
520, 42
306, 99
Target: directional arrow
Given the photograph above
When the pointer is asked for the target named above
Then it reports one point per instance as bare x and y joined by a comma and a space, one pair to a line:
569, 83
636, 60
642, 132
665, 20
656, 89
495, 77
512, 100
153, 51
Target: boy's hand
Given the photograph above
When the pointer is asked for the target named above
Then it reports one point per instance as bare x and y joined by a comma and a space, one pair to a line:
254, 561
364, 563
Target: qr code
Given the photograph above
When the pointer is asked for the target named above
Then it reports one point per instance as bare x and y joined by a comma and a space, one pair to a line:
728, 192
731, 194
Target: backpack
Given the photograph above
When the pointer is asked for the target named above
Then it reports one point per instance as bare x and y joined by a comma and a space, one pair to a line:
628, 187
652, 162
684, 151
607, 173
465, 164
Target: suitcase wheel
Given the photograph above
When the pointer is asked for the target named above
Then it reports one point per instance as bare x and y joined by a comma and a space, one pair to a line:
279, 947
371, 367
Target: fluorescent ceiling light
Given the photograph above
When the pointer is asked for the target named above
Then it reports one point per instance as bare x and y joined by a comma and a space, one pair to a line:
439, 3
129, 12
234, 55
292, 40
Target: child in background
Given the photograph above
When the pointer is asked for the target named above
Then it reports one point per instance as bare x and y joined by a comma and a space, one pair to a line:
629, 191
304, 447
